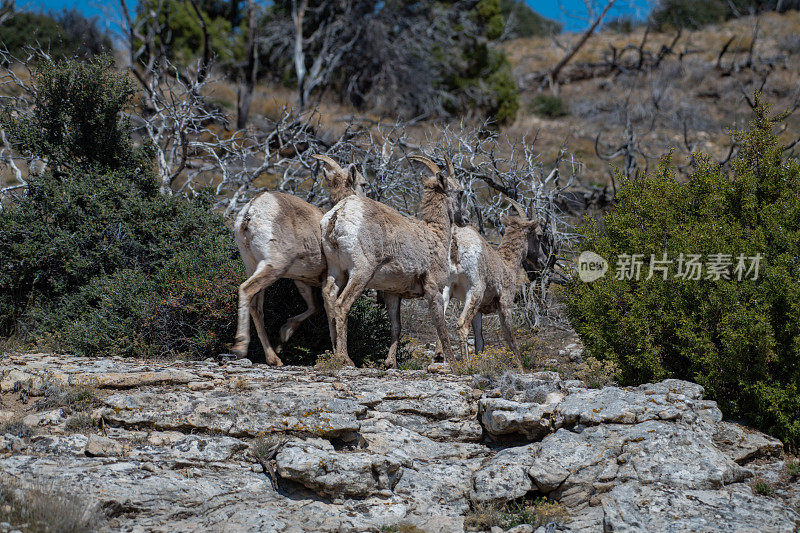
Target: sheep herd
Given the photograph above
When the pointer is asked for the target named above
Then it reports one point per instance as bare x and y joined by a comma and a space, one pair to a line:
363, 244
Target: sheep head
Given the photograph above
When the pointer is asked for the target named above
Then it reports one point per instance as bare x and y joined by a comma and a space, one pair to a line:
447, 184
342, 182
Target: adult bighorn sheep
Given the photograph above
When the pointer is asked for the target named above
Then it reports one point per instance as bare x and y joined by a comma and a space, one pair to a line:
279, 237
370, 245
485, 279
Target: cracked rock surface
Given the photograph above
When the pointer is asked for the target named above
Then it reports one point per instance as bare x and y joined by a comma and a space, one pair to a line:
185, 446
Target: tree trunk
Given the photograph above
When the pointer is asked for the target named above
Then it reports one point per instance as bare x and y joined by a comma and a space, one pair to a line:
299, 58
249, 82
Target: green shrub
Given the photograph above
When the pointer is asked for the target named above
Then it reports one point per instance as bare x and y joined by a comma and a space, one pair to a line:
64, 34
549, 106
739, 339
527, 22
792, 469
96, 261
689, 14
368, 328
671, 14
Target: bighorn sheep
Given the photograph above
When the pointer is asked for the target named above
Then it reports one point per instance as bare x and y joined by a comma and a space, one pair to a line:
370, 245
485, 279
279, 237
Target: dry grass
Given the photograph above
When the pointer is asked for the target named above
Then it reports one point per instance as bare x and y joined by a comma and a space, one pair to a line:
18, 429
537, 513
328, 362
75, 398
44, 510
413, 355
79, 422
597, 374
541, 53
493, 361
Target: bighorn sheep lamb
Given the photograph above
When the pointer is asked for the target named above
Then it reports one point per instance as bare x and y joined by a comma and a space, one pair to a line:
485, 279
279, 237
370, 245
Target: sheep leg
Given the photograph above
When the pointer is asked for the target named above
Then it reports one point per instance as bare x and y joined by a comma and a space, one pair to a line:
354, 288
446, 296
436, 308
477, 331
392, 303
330, 292
471, 303
265, 275
507, 325
257, 313
312, 301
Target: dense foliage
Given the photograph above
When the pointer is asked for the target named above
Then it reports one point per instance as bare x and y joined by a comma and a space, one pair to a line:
182, 40
427, 57
97, 262
739, 339
525, 22
63, 34
693, 15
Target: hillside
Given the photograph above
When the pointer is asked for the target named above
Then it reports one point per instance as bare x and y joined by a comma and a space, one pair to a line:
192, 445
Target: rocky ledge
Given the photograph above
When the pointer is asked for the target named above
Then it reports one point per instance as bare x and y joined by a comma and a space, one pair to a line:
179, 446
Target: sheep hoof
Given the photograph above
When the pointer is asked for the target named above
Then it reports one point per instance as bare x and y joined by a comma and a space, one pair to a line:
227, 357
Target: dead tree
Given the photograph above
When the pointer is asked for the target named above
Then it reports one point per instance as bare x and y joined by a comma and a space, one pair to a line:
246, 87
553, 77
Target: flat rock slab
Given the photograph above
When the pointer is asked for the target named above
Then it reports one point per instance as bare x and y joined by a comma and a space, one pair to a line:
633, 508
119, 380
185, 446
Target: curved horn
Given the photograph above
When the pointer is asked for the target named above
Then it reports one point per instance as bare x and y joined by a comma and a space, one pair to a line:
425, 161
326, 159
450, 169
519, 207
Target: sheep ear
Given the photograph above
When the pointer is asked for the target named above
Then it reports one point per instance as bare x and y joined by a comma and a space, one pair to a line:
352, 174
443, 181
430, 182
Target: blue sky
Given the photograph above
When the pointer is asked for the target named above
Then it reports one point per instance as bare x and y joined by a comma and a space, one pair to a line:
555, 9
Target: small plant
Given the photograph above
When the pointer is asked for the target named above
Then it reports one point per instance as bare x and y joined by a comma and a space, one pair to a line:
762, 487
79, 422
413, 356
44, 511
402, 527
792, 469
493, 361
329, 362
18, 429
76, 398
240, 384
596, 373
548, 106
511, 514
265, 448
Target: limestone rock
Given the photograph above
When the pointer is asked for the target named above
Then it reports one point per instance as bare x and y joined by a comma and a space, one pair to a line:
315, 464
121, 380
97, 446
195, 446
634, 508
743, 445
